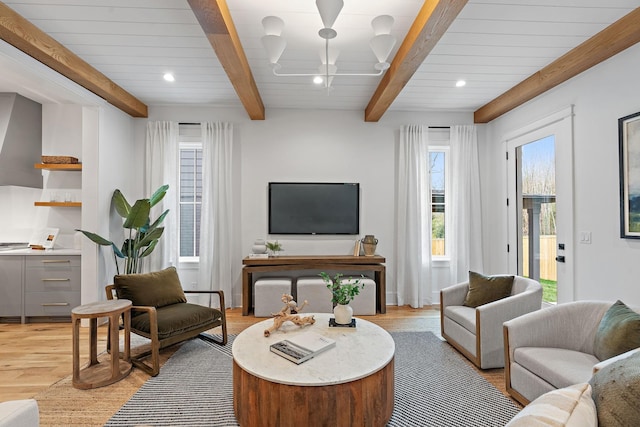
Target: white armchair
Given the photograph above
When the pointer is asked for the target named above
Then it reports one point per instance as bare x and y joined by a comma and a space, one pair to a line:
477, 332
553, 348
23, 413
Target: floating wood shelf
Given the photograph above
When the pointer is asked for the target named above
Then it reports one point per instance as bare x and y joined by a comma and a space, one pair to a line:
60, 204
59, 166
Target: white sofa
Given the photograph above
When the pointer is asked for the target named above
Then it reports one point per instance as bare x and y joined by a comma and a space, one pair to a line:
552, 348
19, 413
477, 332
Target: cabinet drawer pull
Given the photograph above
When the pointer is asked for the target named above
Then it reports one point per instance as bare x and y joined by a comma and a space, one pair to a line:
56, 280
56, 261
54, 304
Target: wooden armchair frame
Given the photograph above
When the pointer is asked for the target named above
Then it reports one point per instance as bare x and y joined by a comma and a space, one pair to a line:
158, 344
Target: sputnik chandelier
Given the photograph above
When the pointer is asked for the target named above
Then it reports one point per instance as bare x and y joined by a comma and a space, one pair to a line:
381, 44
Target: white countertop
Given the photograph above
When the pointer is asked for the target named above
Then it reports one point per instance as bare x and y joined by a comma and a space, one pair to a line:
358, 353
46, 252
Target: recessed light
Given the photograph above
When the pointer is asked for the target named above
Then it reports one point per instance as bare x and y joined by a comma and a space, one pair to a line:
460, 83
169, 77
318, 80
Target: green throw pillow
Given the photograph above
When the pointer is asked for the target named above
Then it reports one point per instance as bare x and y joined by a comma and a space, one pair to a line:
485, 289
618, 332
156, 289
616, 392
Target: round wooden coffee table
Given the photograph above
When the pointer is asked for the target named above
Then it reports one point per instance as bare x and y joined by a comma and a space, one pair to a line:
351, 384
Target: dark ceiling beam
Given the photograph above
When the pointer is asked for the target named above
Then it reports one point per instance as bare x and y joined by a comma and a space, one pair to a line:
215, 20
617, 37
432, 22
28, 38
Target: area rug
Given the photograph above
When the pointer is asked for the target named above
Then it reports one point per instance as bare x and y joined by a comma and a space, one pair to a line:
433, 387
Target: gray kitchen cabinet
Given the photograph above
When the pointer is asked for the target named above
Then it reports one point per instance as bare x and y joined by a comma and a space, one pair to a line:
37, 287
52, 285
11, 268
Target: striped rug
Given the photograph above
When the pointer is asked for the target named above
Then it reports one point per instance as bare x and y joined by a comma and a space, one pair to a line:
433, 387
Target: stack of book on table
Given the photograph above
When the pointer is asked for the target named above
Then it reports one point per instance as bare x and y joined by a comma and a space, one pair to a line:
302, 347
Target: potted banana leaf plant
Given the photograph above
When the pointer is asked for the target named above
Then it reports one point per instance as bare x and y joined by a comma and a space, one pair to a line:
143, 235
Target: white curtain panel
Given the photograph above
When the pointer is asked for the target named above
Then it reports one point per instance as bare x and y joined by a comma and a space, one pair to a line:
161, 167
217, 222
465, 232
413, 217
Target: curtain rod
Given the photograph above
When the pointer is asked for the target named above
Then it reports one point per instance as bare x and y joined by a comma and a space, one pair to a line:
430, 127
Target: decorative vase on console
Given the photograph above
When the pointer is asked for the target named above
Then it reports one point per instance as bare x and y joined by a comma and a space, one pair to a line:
343, 292
369, 244
259, 247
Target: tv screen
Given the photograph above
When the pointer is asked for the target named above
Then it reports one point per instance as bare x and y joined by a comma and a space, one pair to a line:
314, 208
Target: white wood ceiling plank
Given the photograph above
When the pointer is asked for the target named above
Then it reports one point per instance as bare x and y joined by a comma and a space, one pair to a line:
191, 64
99, 40
182, 80
559, 13
58, 29
164, 4
513, 40
145, 52
484, 78
100, 13
525, 28
499, 61
499, 51
483, 69
625, 4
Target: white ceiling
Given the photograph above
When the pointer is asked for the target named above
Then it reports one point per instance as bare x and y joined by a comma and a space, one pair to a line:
493, 45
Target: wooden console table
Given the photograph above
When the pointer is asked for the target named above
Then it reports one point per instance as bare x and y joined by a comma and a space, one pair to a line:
314, 262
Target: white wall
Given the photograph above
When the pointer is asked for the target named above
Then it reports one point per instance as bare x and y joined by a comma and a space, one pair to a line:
608, 268
61, 136
320, 145
110, 162
18, 214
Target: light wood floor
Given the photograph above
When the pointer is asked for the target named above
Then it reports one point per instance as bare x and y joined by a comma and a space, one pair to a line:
36, 361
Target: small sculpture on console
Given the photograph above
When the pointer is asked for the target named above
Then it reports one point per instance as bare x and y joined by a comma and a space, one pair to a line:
289, 313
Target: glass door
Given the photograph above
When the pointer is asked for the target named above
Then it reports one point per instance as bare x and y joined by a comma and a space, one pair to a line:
536, 214
540, 206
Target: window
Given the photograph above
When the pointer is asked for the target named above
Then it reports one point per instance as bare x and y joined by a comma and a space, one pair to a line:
438, 169
190, 197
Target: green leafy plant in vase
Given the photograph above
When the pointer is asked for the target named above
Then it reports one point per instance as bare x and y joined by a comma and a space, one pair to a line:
274, 247
142, 236
342, 294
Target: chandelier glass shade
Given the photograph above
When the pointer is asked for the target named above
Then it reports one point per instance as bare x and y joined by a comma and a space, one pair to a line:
381, 44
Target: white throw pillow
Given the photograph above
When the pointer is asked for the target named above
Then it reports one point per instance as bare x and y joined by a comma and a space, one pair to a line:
568, 407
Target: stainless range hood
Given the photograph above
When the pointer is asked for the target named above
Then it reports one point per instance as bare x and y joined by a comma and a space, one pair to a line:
20, 141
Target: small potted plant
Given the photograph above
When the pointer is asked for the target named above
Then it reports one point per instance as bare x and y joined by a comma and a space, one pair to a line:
342, 294
274, 247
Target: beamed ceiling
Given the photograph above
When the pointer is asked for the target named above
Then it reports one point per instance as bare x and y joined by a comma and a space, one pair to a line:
507, 51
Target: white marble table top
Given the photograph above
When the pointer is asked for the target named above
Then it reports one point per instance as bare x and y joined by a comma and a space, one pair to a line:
358, 353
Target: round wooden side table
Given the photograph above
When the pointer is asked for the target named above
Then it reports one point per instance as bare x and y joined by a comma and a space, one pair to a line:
100, 374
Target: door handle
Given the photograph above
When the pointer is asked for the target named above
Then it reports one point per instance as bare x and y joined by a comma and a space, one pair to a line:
560, 258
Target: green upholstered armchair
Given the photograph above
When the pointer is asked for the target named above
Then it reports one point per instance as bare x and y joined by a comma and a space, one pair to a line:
162, 314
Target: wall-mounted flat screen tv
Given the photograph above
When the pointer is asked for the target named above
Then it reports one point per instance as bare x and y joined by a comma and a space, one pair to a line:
314, 208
